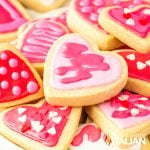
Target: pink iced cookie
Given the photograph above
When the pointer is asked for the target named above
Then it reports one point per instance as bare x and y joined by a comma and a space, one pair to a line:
36, 38
12, 15
85, 15
139, 71
40, 125
76, 72
133, 23
19, 82
125, 115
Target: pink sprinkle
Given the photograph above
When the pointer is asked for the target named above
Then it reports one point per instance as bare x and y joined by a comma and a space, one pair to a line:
25, 74
16, 90
3, 56
98, 2
94, 17
15, 75
84, 3
13, 63
32, 87
4, 85
3, 70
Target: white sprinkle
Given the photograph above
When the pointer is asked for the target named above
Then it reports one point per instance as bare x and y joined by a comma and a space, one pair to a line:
130, 22
126, 10
134, 111
52, 114
37, 126
141, 106
140, 65
123, 97
143, 98
146, 11
147, 62
52, 131
57, 119
63, 108
122, 109
131, 57
21, 110
22, 118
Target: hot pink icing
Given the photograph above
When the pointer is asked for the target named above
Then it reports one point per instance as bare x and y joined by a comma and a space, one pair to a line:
39, 38
127, 109
137, 21
44, 124
91, 130
90, 9
12, 85
134, 59
69, 72
11, 18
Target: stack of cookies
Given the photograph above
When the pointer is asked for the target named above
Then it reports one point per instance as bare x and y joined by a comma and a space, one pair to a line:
77, 77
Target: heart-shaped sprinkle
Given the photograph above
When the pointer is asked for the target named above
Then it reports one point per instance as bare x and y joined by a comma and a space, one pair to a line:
52, 131
37, 126
143, 98
134, 111
53, 114
141, 65
21, 110
146, 11
147, 62
130, 22
57, 119
122, 109
123, 97
22, 118
131, 56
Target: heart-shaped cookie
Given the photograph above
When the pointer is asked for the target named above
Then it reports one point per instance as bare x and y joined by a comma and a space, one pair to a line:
40, 125
126, 115
78, 74
42, 5
19, 82
85, 20
133, 24
139, 71
36, 38
12, 15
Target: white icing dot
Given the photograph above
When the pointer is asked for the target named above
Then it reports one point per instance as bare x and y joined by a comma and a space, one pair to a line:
32, 87
57, 119
13, 63
146, 11
143, 98
25, 74
147, 62
37, 126
3, 70
52, 131
21, 110
53, 114
134, 111
3, 56
94, 16
130, 22
123, 97
4, 85
131, 56
16, 90
22, 118
86, 9
15, 75
140, 65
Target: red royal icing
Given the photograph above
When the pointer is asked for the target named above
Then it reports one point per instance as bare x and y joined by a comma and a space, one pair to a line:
10, 17
81, 62
127, 104
44, 124
90, 9
138, 64
16, 79
137, 21
91, 131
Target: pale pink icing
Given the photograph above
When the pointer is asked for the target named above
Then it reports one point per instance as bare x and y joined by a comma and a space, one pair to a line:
39, 38
12, 23
98, 77
137, 21
125, 119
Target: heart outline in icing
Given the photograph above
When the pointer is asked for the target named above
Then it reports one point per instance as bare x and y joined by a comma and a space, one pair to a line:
67, 96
